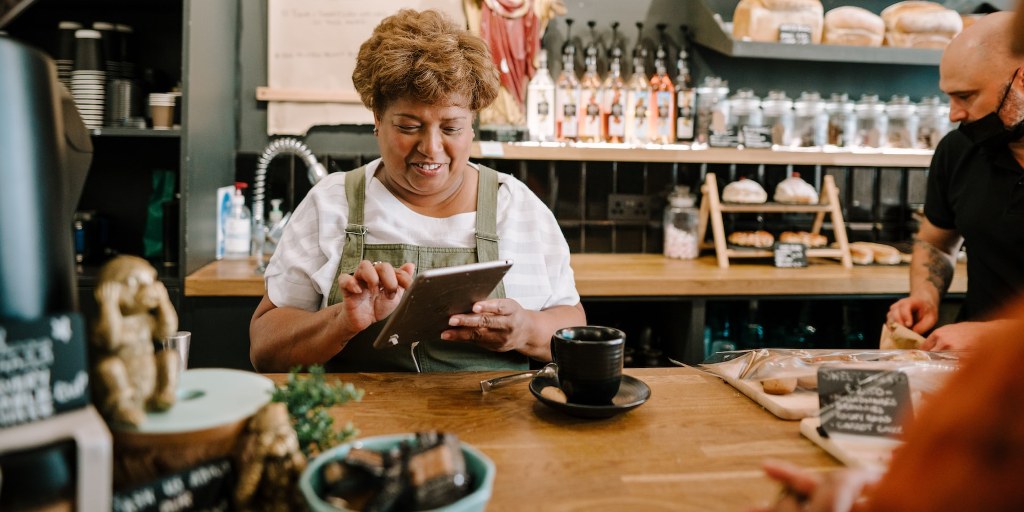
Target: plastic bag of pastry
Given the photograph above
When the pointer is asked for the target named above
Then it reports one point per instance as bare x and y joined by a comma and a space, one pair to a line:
744, 190
895, 336
794, 190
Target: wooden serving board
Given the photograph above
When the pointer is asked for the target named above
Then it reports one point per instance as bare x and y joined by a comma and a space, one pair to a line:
793, 406
868, 452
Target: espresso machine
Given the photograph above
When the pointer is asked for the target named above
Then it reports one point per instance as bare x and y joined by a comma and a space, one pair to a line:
54, 447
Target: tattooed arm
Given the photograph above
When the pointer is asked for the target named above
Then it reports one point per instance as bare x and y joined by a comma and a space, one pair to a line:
931, 272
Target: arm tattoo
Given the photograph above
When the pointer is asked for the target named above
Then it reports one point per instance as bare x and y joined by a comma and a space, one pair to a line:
940, 268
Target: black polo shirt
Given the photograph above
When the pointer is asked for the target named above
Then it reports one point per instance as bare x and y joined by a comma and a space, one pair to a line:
979, 193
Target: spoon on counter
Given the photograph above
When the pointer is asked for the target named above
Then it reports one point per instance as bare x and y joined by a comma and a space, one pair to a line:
549, 370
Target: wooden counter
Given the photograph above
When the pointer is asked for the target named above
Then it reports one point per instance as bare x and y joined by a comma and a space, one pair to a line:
697, 444
649, 275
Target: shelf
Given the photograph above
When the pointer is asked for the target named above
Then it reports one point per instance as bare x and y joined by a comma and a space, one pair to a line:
135, 132
709, 32
754, 253
679, 153
774, 208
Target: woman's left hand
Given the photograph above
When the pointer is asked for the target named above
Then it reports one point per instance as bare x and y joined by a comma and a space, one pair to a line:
499, 325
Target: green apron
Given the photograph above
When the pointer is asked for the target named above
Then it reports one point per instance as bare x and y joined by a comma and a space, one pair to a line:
428, 355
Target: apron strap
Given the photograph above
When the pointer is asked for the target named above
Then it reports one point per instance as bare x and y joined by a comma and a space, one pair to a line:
355, 230
487, 219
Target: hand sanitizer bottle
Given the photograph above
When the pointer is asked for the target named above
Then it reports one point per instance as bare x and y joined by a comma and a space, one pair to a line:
238, 227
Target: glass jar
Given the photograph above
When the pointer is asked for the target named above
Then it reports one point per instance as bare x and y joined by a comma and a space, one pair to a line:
777, 114
932, 122
872, 123
744, 110
680, 225
810, 122
712, 108
902, 116
842, 124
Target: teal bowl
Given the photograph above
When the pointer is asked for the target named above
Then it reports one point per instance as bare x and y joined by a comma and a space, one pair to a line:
479, 466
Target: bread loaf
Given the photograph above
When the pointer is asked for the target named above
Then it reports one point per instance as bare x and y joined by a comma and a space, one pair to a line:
759, 20
861, 255
882, 254
853, 26
782, 386
919, 24
803, 237
744, 191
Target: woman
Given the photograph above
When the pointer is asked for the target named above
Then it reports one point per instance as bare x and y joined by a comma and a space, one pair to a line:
355, 242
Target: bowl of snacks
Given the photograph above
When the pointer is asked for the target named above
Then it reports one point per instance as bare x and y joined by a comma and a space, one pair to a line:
421, 471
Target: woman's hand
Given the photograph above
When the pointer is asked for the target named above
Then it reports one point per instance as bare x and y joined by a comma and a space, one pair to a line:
372, 292
810, 491
499, 325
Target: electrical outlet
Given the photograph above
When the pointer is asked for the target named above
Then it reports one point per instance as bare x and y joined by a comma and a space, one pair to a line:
629, 207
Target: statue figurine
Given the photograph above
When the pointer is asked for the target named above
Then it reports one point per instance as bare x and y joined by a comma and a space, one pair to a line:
134, 313
269, 462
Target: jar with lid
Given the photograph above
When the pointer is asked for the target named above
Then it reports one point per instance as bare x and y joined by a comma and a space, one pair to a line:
712, 108
680, 225
872, 123
744, 111
842, 124
933, 122
810, 122
902, 116
777, 114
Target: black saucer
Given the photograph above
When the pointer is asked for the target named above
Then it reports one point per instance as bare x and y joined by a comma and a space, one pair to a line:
633, 392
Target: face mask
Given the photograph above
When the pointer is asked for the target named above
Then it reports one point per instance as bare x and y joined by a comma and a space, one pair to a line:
989, 131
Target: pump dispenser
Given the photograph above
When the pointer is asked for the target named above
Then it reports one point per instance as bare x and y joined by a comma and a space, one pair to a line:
275, 214
238, 227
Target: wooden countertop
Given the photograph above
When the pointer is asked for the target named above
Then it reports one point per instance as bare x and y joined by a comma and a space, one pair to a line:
697, 444
648, 275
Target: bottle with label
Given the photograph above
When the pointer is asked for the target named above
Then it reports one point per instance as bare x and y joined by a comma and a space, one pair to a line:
614, 109
686, 99
238, 227
638, 95
567, 99
540, 102
590, 100
663, 102
680, 225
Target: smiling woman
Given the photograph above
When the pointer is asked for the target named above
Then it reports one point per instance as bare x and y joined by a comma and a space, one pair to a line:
422, 205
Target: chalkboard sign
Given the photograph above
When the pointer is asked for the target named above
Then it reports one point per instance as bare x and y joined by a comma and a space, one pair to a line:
792, 33
207, 486
865, 402
42, 368
790, 255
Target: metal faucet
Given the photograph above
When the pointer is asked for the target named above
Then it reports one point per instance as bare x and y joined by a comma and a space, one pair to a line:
315, 172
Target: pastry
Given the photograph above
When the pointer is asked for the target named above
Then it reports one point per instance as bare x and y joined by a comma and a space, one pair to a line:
759, 239
782, 386
744, 191
803, 237
881, 253
853, 26
898, 336
809, 382
794, 190
918, 24
861, 255
759, 20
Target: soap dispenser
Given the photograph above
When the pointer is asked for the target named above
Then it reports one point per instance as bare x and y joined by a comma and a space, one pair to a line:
238, 227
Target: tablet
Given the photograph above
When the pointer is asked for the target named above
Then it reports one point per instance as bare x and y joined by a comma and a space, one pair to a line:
434, 296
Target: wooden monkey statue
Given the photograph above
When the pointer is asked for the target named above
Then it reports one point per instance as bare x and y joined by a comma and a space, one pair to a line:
134, 313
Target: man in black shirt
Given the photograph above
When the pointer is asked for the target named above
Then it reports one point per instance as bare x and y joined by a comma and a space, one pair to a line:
975, 190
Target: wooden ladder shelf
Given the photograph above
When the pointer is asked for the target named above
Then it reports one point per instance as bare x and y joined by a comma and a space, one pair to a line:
711, 207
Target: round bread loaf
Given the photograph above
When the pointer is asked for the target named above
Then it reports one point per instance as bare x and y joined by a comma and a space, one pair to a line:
794, 190
744, 191
759, 20
919, 24
853, 26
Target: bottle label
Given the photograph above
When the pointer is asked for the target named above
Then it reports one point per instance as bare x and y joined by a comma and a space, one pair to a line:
237, 236
664, 121
685, 115
570, 126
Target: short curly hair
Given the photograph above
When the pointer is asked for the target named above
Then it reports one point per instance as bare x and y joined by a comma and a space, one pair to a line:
427, 57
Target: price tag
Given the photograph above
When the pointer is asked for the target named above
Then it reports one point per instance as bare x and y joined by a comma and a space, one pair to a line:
723, 138
759, 137
864, 402
792, 33
790, 255
207, 486
491, 148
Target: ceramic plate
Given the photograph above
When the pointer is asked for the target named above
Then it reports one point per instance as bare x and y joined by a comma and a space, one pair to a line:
632, 393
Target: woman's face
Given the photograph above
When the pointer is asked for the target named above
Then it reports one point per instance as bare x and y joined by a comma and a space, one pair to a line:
425, 148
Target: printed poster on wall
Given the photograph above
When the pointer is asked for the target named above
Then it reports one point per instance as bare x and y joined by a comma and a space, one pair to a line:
312, 46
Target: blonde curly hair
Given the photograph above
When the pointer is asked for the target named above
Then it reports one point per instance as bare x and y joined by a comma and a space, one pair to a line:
426, 57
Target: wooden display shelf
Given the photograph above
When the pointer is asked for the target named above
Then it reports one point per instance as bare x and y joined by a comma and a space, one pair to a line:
712, 208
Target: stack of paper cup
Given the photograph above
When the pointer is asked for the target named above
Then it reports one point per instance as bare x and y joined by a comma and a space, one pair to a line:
66, 51
88, 79
161, 110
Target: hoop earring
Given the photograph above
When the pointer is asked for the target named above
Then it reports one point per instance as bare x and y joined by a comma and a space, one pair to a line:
375, 130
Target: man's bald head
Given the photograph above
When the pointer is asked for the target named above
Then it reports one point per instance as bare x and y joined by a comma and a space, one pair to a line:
977, 65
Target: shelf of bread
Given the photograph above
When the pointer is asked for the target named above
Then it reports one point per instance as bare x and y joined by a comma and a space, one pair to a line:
711, 31
682, 153
765, 253
774, 208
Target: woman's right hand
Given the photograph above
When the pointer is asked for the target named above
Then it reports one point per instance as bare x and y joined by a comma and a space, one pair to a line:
373, 291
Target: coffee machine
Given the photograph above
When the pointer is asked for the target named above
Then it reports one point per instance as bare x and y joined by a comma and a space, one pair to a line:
54, 446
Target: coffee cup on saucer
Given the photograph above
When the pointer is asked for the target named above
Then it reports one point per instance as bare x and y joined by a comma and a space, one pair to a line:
589, 360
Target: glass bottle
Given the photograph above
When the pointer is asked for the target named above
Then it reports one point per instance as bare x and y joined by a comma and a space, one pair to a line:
567, 100
842, 124
810, 122
663, 103
745, 111
777, 113
680, 225
872, 123
614, 108
902, 116
933, 122
638, 94
540, 102
590, 100
712, 108
686, 99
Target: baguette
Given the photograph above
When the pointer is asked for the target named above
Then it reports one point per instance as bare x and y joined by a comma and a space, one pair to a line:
881, 253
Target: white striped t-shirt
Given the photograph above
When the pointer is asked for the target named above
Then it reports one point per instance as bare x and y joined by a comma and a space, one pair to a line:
302, 269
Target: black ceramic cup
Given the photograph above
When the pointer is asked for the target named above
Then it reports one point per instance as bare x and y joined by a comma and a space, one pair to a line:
589, 362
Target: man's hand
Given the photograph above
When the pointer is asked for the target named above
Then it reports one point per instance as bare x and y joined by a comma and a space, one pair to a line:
809, 491
917, 314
